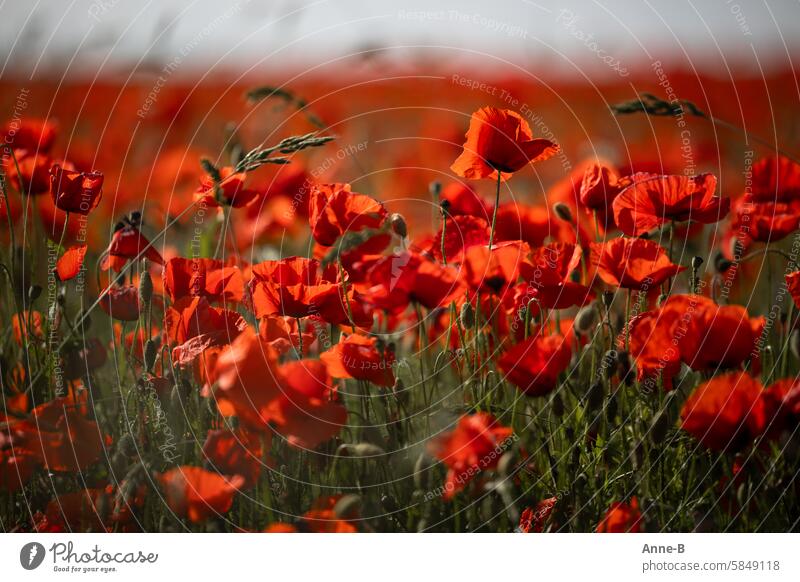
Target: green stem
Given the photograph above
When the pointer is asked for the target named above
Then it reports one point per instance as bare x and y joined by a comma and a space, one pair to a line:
494, 212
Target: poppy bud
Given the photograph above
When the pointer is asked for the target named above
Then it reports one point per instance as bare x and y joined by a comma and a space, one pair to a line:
150, 354
794, 343
363, 450
435, 188
445, 206
563, 211
594, 396
585, 320
696, 262
34, 291
398, 224
145, 288
467, 315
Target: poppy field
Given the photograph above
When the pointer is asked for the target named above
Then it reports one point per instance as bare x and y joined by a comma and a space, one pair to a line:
444, 304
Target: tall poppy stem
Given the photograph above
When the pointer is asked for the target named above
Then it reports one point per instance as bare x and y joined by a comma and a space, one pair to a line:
494, 212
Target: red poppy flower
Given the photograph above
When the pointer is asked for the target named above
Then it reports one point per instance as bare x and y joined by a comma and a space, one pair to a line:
121, 303
245, 379
405, 277
306, 413
207, 278
334, 209
195, 326
655, 200
499, 140
599, 188
775, 179
531, 224
77, 192
633, 263
230, 190
534, 365
549, 273
198, 494
357, 356
765, 221
70, 263
237, 452
533, 520
726, 412
622, 517
31, 173
36, 135
322, 517
127, 244
460, 233
283, 333
494, 269
475, 444
295, 287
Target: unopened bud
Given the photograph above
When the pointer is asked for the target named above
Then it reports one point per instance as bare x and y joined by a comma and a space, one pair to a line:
585, 320
608, 299
467, 315
435, 188
150, 354
398, 224
34, 291
696, 262
563, 211
145, 288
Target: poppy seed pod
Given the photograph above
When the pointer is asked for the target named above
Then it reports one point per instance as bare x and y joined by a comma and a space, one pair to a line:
696, 262
467, 316
563, 211
398, 224
145, 288
150, 354
34, 291
608, 299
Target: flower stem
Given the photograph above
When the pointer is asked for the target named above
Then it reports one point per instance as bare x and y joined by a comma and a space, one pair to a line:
494, 212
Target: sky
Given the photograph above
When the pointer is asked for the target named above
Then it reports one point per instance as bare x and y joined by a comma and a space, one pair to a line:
568, 37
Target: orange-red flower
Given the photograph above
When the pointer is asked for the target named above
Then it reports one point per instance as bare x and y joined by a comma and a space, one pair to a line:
121, 302
357, 356
406, 277
128, 243
36, 135
207, 278
70, 263
31, 173
499, 140
549, 273
726, 412
652, 201
195, 326
775, 179
494, 269
534, 519
237, 452
599, 188
464, 201
793, 285
622, 517
334, 209
460, 233
764, 221
633, 263
534, 365
229, 191
77, 192
475, 444
197, 494
296, 287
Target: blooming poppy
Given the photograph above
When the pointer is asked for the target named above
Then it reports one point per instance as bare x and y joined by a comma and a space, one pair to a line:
549, 272
194, 325
622, 517
764, 221
334, 209
775, 179
128, 243
296, 287
726, 412
229, 191
30, 173
406, 277
464, 201
499, 140
306, 413
237, 452
494, 269
197, 277
37, 135
652, 201
323, 518
633, 263
70, 263
357, 356
475, 444
27, 323
198, 494
77, 192
599, 187
121, 302
534, 365
793, 285
283, 333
